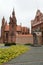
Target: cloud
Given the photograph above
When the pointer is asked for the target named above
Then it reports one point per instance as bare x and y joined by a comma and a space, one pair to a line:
24, 9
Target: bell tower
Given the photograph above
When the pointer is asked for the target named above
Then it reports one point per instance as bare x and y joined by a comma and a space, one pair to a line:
12, 28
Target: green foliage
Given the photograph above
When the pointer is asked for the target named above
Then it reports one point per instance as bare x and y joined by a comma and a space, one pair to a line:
11, 52
1, 44
9, 44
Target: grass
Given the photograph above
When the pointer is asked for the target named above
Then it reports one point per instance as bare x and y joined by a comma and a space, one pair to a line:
1, 44
11, 52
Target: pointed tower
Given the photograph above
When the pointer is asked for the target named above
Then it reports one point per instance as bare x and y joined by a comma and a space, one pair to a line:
12, 28
13, 16
38, 16
3, 21
38, 13
2, 28
13, 13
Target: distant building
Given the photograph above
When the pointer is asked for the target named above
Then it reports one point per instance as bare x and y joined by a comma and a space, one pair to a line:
37, 25
10, 31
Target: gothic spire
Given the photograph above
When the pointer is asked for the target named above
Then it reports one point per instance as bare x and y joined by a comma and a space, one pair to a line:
38, 12
3, 18
13, 13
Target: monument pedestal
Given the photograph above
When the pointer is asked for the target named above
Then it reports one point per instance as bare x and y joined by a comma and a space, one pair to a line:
36, 39
36, 45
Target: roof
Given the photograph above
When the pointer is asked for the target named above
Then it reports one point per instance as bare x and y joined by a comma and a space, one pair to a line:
7, 28
18, 28
38, 13
25, 29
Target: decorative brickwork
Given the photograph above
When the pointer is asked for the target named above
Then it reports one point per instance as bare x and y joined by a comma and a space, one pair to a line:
37, 25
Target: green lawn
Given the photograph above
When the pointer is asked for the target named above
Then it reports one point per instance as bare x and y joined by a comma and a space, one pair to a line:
1, 44
11, 52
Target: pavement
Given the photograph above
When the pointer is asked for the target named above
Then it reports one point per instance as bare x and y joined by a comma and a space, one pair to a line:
34, 56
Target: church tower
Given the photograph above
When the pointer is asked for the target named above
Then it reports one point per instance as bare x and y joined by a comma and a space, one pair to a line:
2, 29
12, 28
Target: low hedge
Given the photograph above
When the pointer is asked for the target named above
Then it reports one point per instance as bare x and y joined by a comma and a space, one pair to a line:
9, 44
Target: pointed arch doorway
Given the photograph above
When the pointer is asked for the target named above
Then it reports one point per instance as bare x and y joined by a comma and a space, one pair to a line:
35, 39
42, 37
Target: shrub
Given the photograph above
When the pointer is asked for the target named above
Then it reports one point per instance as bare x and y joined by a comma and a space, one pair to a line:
9, 44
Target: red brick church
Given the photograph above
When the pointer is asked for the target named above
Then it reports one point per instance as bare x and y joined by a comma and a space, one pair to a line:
11, 30
37, 25
13, 33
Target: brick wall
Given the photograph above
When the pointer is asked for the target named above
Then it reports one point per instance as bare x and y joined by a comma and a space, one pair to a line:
1, 40
24, 39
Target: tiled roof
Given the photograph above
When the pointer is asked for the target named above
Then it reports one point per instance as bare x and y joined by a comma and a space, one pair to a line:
7, 28
18, 28
25, 29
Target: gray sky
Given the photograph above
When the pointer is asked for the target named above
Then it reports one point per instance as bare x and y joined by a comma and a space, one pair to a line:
25, 10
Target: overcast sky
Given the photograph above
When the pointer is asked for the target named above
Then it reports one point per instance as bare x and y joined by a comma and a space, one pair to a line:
25, 10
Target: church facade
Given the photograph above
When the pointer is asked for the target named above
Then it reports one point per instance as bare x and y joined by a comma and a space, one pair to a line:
37, 25
10, 31
13, 33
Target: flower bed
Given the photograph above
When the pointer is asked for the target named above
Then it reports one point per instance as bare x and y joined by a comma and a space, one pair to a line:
11, 52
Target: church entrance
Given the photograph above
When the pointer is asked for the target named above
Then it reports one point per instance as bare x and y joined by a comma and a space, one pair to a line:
35, 39
42, 37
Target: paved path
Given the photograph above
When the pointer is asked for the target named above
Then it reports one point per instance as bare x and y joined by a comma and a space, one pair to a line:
32, 57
